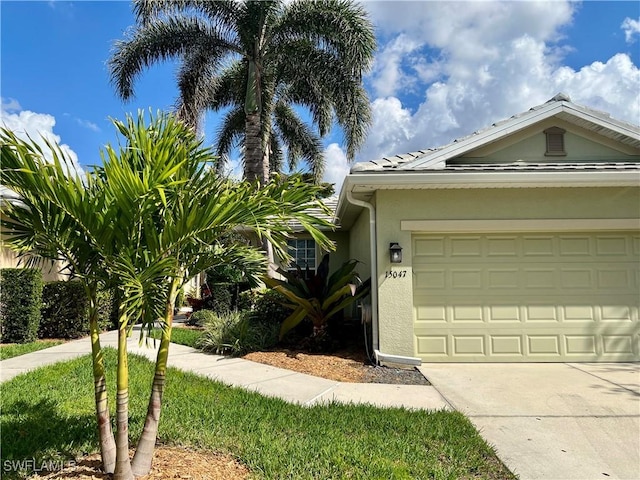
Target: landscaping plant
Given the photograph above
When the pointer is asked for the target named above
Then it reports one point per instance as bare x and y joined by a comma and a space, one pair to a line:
237, 333
320, 297
20, 301
143, 223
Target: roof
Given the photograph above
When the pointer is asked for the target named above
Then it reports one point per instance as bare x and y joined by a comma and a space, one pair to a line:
559, 106
454, 165
331, 203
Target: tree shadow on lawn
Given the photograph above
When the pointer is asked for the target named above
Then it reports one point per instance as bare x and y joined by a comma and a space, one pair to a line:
36, 433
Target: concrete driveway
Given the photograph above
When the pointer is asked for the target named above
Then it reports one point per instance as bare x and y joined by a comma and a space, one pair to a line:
551, 420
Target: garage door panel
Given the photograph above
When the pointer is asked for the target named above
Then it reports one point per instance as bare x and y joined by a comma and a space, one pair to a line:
476, 346
528, 297
488, 278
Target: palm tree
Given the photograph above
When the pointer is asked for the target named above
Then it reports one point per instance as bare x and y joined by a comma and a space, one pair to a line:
154, 211
260, 60
35, 225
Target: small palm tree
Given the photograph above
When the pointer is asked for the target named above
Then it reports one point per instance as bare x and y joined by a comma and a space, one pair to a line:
153, 215
34, 225
260, 60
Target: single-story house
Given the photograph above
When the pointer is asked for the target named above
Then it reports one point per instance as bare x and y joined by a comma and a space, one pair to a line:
519, 243
51, 271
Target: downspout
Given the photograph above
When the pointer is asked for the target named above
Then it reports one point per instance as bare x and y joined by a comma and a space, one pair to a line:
374, 268
379, 356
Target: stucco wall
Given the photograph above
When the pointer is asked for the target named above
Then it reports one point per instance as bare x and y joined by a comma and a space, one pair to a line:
50, 271
360, 244
396, 290
530, 145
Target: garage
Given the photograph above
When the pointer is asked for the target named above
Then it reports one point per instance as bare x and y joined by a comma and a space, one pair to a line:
526, 297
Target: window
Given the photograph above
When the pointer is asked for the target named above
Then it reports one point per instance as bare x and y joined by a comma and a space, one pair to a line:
303, 252
555, 141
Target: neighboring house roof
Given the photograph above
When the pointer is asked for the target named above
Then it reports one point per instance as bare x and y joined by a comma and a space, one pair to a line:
460, 164
331, 203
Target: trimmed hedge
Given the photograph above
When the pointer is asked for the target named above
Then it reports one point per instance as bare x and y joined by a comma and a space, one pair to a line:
65, 310
20, 301
108, 309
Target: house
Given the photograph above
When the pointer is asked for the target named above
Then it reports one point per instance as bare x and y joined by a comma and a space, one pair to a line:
519, 243
51, 271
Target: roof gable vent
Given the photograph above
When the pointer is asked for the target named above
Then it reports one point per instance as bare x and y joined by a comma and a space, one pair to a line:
555, 142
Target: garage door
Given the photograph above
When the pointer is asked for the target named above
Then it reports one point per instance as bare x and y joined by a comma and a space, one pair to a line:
545, 297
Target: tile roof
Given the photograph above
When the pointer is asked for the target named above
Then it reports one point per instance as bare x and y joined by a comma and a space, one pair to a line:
330, 202
431, 159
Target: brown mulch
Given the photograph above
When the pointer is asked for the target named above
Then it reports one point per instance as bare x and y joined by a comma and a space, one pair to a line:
348, 365
169, 463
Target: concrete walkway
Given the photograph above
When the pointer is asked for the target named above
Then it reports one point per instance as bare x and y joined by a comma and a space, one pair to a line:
551, 421
271, 381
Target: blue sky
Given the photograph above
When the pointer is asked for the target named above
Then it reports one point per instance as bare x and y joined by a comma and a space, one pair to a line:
442, 70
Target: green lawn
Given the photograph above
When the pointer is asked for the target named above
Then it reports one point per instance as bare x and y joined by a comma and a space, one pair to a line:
185, 336
15, 349
49, 414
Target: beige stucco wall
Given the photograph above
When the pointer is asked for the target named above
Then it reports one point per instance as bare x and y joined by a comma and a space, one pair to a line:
396, 294
50, 271
530, 145
360, 244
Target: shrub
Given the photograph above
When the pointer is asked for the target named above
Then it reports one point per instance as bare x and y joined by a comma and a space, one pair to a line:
200, 318
320, 297
107, 309
237, 333
247, 300
65, 310
269, 307
20, 302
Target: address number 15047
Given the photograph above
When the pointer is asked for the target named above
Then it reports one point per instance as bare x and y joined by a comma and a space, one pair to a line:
395, 274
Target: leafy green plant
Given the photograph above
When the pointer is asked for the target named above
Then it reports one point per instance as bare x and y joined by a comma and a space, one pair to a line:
20, 301
269, 307
200, 318
320, 297
237, 333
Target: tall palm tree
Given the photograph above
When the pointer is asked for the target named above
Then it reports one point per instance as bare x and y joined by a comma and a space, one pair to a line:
153, 212
260, 60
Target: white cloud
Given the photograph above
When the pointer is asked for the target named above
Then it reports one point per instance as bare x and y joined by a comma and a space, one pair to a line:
388, 75
475, 63
38, 126
88, 124
336, 166
10, 104
631, 28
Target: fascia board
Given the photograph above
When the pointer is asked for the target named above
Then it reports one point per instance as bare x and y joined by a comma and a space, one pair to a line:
607, 122
437, 179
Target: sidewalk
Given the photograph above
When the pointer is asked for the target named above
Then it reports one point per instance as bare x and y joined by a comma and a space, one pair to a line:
270, 381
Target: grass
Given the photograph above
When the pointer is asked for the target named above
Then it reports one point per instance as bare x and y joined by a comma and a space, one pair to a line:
183, 336
11, 350
48, 414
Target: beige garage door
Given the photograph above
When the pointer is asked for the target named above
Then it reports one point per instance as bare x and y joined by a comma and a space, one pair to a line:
545, 297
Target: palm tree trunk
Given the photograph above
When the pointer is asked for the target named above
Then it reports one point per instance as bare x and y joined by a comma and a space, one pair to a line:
253, 156
123, 463
142, 459
105, 434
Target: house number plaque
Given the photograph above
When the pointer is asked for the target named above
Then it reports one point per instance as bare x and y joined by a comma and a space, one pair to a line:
395, 274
